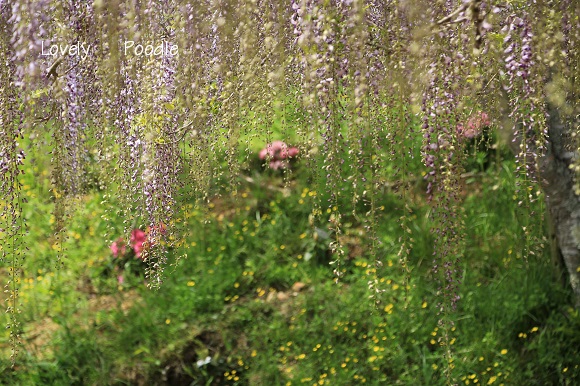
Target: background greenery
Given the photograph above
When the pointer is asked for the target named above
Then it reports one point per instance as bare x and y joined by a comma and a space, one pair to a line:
250, 297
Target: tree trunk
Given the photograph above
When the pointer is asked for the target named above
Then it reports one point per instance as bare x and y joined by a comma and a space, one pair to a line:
557, 180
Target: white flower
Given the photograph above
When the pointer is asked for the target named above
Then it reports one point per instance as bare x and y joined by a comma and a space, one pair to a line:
203, 362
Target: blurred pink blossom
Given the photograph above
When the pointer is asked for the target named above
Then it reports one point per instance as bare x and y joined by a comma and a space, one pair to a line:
138, 237
474, 126
118, 247
278, 154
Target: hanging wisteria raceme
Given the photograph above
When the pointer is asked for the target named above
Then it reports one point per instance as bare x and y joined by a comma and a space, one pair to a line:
73, 130
296, 74
353, 72
529, 116
443, 158
519, 62
29, 21
361, 72
121, 138
322, 30
12, 223
212, 55
155, 137
66, 108
443, 103
389, 116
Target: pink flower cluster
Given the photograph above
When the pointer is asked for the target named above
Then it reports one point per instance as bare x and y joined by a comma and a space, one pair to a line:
138, 238
474, 125
278, 153
137, 241
118, 247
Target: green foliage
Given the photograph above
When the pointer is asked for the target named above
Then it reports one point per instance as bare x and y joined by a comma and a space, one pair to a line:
254, 302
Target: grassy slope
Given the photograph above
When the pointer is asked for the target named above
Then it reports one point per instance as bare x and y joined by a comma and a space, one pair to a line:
256, 295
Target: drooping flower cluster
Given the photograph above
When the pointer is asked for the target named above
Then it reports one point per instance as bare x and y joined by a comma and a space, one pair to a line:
29, 30
529, 120
12, 222
278, 154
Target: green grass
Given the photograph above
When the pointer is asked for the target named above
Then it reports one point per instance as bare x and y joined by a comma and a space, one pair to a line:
233, 295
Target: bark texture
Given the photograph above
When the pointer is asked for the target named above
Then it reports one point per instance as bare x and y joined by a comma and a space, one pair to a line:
563, 204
